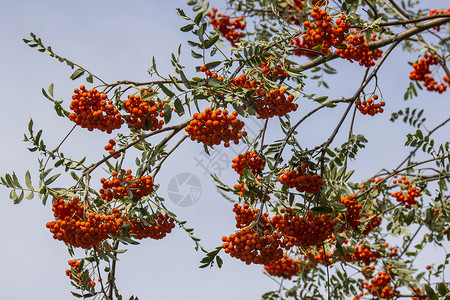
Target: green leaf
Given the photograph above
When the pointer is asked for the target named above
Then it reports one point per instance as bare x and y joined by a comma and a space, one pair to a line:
198, 18
195, 54
212, 65
165, 90
442, 288
219, 261
210, 42
430, 292
175, 83
167, 113
51, 179
78, 72
321, 99
179, 106
50, 90
30, 196
215, 82
28, 180
90, 79
185, 80
187, 28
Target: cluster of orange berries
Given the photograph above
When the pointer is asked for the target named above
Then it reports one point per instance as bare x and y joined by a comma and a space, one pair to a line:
120, 185
310, 230
92, 110
248, 160
143, 114
211, 128
373, 223
380, 285
357, 49
241, 189
364, 254
275, 72
245, 216
300, 181
408, 198
275, 103
210, 74
353, 212
228, 28
111, 148
438, 12
322, 34
251, 246
260, 244
369, 107
421, 72
156, 229
420, 294
319, 257
285, 267
269, 104
75, 265
79, 226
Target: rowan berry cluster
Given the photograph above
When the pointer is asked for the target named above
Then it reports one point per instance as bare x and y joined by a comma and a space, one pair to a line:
111, 148
420, 294
92, 110
364, 254
408, 198
250, 161
322, 33
353, 212
211, 128
260, 244
75, 265
380, 286
438, 12
245, 216
156, 228
240, 188
319, 257
357, 49
373, 222
79, 226
228, 28
300, 181
269, 104
143, 114
120, 185
421, 72
210, 74
285, 267
369, 107
302, 46
275, 72
310, 230
250, 246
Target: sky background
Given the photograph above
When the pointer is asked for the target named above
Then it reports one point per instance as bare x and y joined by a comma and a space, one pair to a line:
116, 41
